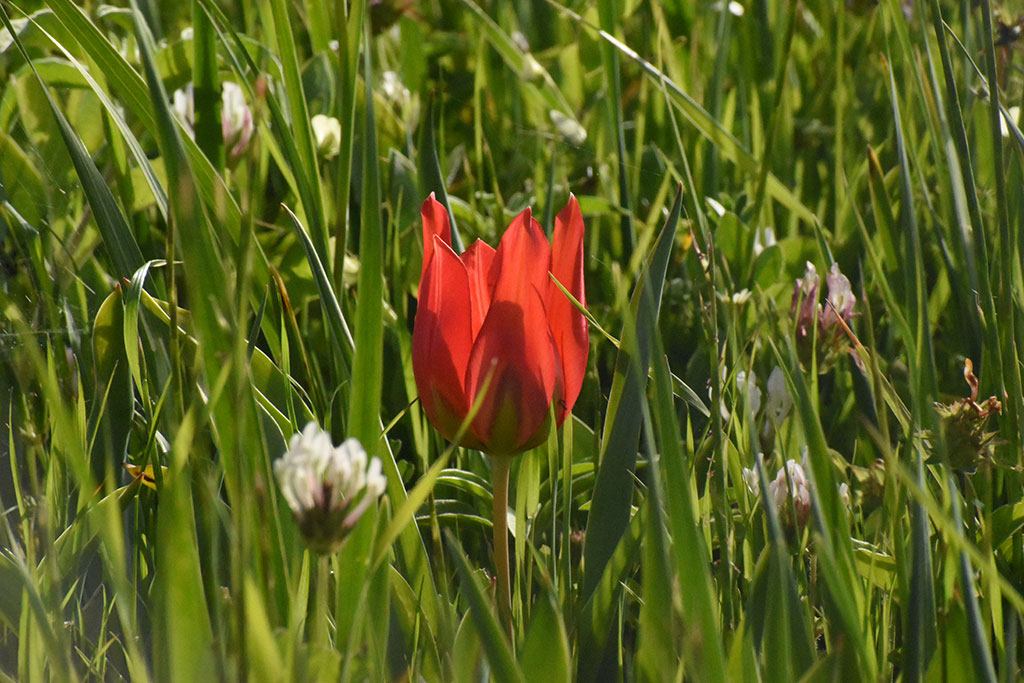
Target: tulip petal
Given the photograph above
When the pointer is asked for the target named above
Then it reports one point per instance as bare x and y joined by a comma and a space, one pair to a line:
441, 338
478, 260
568, 326
435, 222
515, 344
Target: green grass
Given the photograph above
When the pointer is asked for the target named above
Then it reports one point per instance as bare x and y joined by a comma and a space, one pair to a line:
166, 304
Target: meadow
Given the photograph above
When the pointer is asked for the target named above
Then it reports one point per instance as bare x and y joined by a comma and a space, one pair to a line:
796, 450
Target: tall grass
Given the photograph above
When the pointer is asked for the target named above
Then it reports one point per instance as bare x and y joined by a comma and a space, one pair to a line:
172, 312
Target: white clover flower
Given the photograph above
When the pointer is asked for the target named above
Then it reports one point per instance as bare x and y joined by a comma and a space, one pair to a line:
840, 299
763, 238
805, 301
844, 494
393, 88
716, 206
235, 117
532, 70
790, 483
1014, 113
747, 386
779, 399
750, 479
328, 488
183, 105
723, 374
403, 102
568, 128
735, 8
327, 131
741, 297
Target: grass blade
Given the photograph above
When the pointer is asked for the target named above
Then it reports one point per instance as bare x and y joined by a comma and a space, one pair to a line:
499, 653
613, 490
117, 236
705, 648
367, 363
332, 309
431, 179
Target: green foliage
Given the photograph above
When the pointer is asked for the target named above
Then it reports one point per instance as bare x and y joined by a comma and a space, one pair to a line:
172, 313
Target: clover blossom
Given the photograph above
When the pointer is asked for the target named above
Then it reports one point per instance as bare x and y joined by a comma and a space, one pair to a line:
328, 488
780, 401
840, 300
790, 483
235, 116
828, 321
235, 119
327, 131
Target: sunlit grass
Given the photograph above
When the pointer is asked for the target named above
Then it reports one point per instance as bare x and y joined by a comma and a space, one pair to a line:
802, 246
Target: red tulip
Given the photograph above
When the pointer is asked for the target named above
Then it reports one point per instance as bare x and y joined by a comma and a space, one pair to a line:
497, 312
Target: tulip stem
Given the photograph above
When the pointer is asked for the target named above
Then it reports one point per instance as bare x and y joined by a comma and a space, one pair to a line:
501, 466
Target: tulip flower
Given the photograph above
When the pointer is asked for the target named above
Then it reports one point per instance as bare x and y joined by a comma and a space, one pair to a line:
495, 317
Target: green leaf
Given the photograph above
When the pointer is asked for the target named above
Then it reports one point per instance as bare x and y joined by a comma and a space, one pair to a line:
332, 309
613, 490
657, 641
206, 88
545, 652
726, 143
111, 416
703, 647
367, 363
596, 621
609, 19
182, 628
405, 512
298, 128
495, 644
117, 236
431, 178
266, 663
787, 647
117, 116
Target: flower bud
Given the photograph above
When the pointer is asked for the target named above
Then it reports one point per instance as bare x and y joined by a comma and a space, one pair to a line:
831, 338
763, 238
235, 119
1004, 128
532, 70
183, 104
805, 301
327, 131
963, 425
327, 488
780, 401
791, 483
747, 386
568, 127
844, 495
235, 116
840, 301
